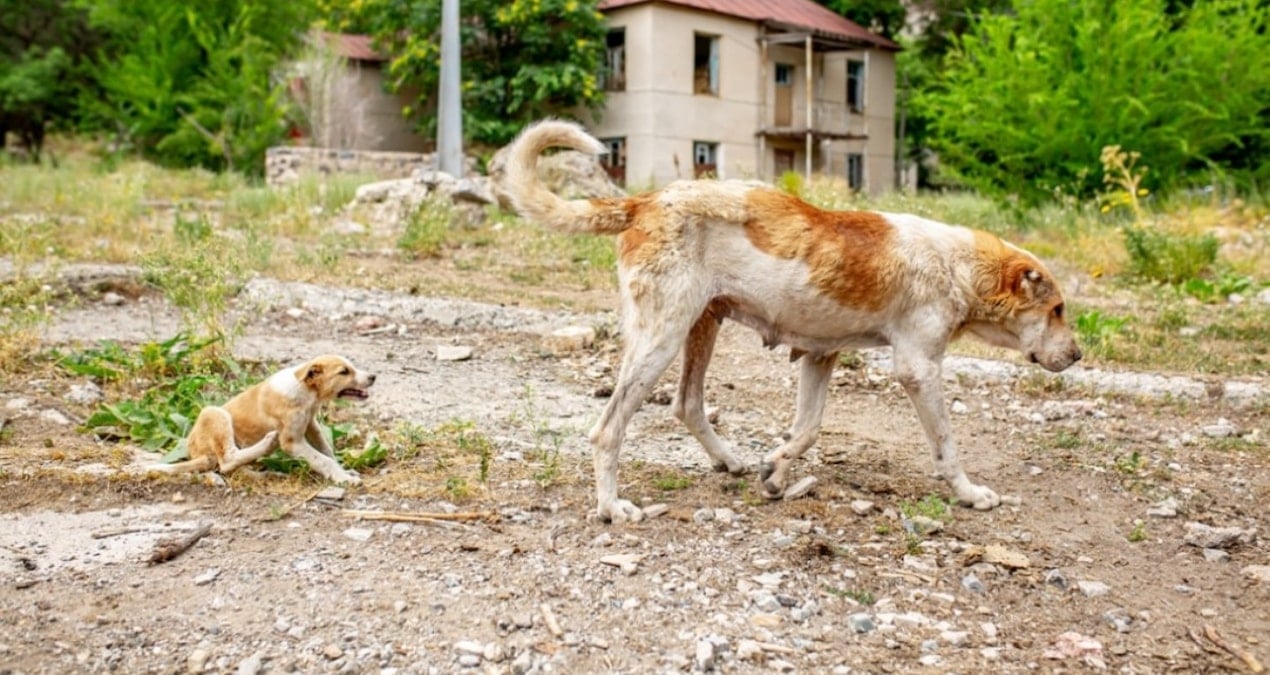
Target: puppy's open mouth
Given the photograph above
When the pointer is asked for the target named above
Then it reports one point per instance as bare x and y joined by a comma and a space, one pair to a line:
360, 394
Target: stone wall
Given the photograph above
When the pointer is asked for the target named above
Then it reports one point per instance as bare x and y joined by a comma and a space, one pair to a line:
285, 164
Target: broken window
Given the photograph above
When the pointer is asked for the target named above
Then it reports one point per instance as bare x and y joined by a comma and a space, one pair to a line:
855, 171
705, 159
615, 161
705, 64
855, 85
614, 76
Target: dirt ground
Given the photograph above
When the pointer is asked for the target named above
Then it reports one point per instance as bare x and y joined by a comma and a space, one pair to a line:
1137, 543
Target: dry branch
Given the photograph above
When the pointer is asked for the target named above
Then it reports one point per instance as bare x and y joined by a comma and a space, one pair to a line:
409, 517
167, 549
1242, 654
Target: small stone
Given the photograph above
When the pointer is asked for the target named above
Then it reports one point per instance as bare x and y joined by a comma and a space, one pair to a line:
989, 630
1118, 620
862, 507
54, 417
958, 408
570, 339
86, 393
802, 488
112, 299
627, 562
453, 353
196, 662
469, 647
251, 665
368, 323
1207, 536
331, 493
929, 660
1093, 589
469, 660
921, 525
655, 510
749, 650
766, 620
207, 577
705, 655
1216, 555
332, 651
1259, 573
955, 638
971, 583
295, 313
359, 534
1164, 509
861, 623
799, 526
1222, 429
701, 516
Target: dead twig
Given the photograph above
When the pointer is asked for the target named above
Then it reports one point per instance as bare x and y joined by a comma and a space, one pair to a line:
409, 517
106, 534
167, 549
1242, 654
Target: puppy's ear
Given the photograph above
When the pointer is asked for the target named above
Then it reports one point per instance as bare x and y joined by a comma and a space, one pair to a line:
313, 372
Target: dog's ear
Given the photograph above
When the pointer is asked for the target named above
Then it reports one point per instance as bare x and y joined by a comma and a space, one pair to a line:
313, 372
1026, 281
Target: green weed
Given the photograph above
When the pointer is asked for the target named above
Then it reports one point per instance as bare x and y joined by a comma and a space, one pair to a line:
1166, 257
670, 482
1096, 329
861, 596
427, 230
1138, 533
930, 506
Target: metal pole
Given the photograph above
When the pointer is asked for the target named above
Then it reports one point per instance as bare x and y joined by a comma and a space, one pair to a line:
449, 115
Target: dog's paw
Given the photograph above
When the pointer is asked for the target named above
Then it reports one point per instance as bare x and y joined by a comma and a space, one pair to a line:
736, 469
619, 511
981, 497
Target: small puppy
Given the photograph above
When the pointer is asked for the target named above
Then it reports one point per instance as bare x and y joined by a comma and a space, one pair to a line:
279, 412
697, 252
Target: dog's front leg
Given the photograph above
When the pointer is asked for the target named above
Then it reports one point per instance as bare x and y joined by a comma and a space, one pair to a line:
295, 445
922, 380
318, 439
813, 388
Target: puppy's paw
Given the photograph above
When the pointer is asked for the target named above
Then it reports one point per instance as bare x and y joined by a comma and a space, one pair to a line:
269, 438
619, 511
736, 468
349, 478
981, 497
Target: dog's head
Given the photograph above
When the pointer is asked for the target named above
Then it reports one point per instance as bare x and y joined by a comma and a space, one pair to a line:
1021, 306
330, 377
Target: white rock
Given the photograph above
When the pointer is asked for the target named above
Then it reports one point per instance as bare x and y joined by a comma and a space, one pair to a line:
112, 299
54, 417
801, 488
1207, 536
361, 534
570, 339
469, 647
1093, 589
453, 353
1259, 573
1222, 429
862, 507
86, 393
1164, 509
207, 577
958, 408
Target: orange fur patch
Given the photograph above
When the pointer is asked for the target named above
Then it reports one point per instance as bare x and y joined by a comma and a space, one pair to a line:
645, 236
998, 278
851, 254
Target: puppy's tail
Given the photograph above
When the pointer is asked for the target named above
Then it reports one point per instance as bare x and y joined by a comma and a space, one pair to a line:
534, 201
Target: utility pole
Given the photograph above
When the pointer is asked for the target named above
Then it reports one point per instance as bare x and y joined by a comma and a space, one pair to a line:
449, 115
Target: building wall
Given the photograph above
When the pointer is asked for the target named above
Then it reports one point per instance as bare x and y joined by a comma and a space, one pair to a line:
660, 117
377, 122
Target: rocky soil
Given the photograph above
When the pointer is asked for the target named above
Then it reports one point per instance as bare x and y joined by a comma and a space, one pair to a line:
1137, 541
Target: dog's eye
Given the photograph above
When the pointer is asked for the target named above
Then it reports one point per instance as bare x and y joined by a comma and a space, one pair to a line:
1058, 311
343, 371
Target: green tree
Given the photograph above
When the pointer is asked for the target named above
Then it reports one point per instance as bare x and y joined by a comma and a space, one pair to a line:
521, 59
191, 83
43, 44
885, 17
1028, 99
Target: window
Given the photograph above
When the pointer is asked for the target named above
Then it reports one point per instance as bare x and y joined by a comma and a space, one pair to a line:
613, 78
855, 171
615, 161
705, 159
855, 85
784, 75
705, 65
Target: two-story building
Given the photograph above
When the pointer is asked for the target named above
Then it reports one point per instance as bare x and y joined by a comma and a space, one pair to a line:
745, 89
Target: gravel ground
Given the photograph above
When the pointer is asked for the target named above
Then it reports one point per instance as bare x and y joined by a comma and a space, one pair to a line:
1137, 542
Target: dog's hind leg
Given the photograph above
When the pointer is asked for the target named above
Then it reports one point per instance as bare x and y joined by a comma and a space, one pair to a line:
813, 387
236, 457
651, 345
690, 401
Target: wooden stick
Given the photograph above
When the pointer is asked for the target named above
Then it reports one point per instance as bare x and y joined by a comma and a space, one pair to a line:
1243, 655
104, 534
171, 547
404, 517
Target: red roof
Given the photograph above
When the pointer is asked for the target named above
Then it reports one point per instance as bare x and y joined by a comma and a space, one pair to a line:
356, 47
803, 14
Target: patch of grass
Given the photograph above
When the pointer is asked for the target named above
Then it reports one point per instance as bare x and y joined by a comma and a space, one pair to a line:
1138, 533
177, 378
671, 482
930, 506
1167, 257
199, 276
26, 304
1130, 464
1066, 440
1096, 330
861, 596
427, 230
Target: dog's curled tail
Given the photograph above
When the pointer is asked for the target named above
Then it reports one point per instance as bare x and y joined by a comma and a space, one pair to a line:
531, 198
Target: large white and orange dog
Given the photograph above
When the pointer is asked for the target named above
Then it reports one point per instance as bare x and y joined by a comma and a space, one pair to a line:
697, 252
278, 412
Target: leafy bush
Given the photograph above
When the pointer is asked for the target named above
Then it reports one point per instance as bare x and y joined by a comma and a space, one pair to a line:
1030, 96
1172, 258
